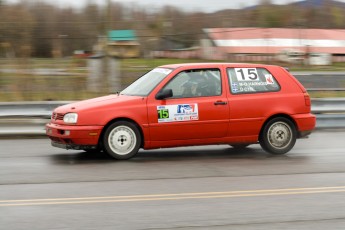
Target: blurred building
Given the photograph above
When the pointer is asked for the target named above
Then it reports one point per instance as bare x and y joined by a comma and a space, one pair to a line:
123, 44
167, 47
262, 44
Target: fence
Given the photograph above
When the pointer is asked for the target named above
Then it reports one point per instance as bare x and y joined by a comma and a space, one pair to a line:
29, 118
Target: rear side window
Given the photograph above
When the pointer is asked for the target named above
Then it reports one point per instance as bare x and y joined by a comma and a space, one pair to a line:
251, 80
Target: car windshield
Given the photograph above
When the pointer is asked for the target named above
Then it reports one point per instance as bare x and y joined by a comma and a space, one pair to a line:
145, 84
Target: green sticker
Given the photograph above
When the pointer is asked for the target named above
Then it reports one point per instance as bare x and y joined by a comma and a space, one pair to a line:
163, 113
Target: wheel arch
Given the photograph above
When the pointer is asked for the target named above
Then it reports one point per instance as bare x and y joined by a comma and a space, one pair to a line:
122, 119
275, 116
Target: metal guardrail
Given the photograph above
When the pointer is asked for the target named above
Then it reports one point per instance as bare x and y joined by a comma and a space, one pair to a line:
29, 109
324, 106
29, 118
330, 112
26, 118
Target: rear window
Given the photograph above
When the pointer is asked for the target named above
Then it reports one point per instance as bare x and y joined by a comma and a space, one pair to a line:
251, 80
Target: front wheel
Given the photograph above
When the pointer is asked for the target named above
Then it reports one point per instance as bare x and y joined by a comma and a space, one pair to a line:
122, 140
278, 136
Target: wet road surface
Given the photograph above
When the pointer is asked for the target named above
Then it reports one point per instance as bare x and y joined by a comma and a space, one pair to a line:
206, 187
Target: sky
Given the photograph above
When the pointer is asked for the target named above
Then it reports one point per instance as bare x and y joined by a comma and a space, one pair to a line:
206, 6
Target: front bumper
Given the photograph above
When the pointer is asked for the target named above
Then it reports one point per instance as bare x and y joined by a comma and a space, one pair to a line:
73, 137
73, 146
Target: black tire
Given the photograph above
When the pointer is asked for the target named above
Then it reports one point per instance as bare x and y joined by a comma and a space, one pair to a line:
278, 136
122, 140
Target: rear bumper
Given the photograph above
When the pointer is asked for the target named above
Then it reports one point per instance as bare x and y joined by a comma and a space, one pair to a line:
305, 124
73, 137
303, 134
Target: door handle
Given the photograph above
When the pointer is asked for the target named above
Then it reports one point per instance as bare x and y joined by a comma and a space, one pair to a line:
220, 103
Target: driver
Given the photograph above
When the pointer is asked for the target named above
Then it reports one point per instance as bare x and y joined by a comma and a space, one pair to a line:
189, 88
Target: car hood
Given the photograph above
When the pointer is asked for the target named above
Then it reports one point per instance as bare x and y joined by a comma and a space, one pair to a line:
96, 103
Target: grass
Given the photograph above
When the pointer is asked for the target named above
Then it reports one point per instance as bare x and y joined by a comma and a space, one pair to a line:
324, 94
21, 85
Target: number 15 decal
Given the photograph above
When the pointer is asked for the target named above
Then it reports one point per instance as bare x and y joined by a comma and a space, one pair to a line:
246, 74
163, 113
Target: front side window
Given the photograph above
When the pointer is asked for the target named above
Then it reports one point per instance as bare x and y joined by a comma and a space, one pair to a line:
251, 80
145, 84
196, 83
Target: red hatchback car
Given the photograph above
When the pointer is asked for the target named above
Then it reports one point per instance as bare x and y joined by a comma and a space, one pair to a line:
190, 104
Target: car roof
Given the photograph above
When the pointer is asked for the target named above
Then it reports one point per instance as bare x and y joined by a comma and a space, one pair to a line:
212, 64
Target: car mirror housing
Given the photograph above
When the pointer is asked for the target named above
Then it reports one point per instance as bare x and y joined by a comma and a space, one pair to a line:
165, 93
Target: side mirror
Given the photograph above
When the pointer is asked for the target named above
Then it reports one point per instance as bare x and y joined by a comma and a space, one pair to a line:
165, 93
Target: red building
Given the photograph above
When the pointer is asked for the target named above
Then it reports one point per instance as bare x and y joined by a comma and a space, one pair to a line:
266, 43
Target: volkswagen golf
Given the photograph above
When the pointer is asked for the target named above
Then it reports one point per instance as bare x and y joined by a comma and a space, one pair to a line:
190, 104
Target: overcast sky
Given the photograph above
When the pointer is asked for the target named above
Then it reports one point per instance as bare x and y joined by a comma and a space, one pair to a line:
188, 5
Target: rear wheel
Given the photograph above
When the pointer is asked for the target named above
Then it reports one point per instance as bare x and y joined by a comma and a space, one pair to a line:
278, 136
122, 140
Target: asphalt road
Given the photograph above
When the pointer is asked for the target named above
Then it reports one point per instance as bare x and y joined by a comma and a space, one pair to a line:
212, 187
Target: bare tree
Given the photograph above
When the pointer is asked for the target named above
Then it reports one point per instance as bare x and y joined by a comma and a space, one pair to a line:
44, 29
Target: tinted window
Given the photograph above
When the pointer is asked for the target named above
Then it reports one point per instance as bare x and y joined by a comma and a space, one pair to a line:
251, 80
196, 83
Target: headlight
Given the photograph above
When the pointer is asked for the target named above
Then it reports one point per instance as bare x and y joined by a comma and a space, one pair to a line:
71, 118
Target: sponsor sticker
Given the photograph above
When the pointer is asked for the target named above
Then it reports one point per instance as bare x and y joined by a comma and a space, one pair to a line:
269, 79
176, 113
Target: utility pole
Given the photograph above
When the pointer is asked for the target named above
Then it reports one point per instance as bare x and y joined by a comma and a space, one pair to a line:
111, 65
108, 16
106, 59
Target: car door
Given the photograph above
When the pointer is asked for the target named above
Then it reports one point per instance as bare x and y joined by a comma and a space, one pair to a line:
198, 108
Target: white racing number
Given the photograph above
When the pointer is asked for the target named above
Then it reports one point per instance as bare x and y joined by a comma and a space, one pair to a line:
246, 74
